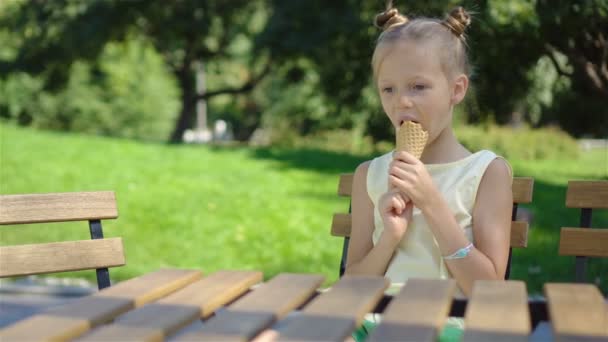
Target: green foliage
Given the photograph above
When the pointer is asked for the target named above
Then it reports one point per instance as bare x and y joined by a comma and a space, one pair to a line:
53, 36
521, 143
187, 212
128, 93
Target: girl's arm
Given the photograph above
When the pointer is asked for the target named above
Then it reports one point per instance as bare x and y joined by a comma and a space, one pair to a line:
363, 257
491, 229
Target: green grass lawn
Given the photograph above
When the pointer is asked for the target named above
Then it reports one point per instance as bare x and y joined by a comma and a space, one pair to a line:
270, 209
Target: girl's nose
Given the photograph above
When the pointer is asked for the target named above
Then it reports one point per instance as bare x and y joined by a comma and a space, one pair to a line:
405, 101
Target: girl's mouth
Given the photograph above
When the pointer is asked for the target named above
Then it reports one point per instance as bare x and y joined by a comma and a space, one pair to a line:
408, 119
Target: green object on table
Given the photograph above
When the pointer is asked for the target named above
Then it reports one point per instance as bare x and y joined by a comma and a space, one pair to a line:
450, 333
364, 330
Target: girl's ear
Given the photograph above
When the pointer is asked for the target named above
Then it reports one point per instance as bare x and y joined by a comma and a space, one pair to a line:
459, 88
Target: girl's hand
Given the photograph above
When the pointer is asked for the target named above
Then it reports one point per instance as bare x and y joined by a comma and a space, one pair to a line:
396, 212
409, 175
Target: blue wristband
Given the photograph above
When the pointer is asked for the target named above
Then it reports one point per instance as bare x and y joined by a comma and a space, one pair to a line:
460, 254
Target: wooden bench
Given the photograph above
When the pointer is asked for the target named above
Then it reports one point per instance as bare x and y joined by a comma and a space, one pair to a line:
291, 307
522, 193
98, 253
584, 241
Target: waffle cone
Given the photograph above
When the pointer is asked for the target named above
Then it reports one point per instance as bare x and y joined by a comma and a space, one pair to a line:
411, 137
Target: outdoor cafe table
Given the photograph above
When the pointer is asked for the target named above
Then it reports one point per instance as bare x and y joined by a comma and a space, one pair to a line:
185, 305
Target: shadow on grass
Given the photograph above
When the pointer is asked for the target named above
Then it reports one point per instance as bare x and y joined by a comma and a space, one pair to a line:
311, 159
540, 262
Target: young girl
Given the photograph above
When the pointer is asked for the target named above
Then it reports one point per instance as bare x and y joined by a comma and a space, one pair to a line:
447, 215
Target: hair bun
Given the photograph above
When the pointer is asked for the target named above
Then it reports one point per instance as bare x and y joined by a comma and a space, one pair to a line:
457, 21
389, 18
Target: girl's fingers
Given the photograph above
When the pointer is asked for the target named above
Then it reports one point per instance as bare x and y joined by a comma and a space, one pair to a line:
409, 209
400, 184
405, 157
400, 198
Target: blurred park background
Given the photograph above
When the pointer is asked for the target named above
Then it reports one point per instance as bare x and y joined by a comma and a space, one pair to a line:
223, 126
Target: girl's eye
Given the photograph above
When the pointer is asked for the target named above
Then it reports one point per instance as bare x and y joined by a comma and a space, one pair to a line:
387, 90
419, 87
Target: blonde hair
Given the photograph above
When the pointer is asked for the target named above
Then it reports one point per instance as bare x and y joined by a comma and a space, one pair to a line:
448, 35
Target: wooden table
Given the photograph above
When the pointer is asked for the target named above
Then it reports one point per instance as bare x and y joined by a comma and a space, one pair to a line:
184, 305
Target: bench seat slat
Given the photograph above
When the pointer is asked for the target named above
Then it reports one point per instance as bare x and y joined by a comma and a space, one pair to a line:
78, 316
577, 311
61, 257
166, 316
418, 312
256, 311
336, 312
57, 207
583, 242
498, 311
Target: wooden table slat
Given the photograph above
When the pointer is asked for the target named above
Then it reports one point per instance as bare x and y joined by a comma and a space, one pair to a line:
337, 312
76, 317
418, 311
256, 311
577, 311
168, 315
498, 311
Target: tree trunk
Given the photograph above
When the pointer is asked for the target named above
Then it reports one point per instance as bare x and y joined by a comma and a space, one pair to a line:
187, 84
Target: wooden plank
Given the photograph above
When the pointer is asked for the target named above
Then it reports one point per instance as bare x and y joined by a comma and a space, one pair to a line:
126, 333
335, 314
345, 185
577, 312
522, 188
166, 316
61, 256
519, 234
76, 317
256, 311
587, 194
498, 311
583, 242
56, 207
341, 225
418, 312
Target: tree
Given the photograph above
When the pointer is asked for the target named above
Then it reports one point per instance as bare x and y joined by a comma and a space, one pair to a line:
578, 30
187, 33
506, 40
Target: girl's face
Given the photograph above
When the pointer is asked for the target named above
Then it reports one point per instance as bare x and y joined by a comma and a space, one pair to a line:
413, 86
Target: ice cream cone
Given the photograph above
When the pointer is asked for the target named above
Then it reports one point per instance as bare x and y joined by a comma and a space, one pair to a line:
411, 137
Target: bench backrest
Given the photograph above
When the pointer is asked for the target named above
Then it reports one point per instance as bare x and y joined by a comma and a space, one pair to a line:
584, 241
522, 193
98, 253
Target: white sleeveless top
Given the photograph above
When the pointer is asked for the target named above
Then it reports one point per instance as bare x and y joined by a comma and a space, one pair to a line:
418, 255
